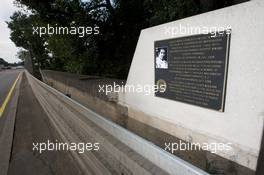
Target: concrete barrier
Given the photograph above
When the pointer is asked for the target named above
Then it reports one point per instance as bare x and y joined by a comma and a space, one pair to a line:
120, 152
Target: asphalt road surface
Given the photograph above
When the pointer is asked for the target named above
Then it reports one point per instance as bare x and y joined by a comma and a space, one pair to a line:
7, 78
29, 126
32, 126
8, 102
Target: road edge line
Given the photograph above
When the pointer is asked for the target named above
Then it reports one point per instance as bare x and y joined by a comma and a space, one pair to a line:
2, 108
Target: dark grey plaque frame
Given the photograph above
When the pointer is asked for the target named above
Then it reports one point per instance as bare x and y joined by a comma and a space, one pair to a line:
167, 75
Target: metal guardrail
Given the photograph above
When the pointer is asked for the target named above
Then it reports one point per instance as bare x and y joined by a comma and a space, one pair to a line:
50, 97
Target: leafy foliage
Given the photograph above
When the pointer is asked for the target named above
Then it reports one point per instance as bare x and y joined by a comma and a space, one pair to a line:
107, 54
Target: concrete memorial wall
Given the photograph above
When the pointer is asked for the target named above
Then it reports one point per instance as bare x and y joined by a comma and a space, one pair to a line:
214, 84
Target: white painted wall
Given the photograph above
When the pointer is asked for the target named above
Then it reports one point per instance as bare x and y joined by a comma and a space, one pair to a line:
242, 121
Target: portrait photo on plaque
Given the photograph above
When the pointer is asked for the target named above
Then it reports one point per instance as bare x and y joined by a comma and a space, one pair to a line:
161, 54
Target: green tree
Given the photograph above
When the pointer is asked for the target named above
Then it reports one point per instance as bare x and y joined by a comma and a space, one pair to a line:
120, 22
22, 35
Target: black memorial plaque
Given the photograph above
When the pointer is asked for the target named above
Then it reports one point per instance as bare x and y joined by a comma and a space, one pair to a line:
193, 69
